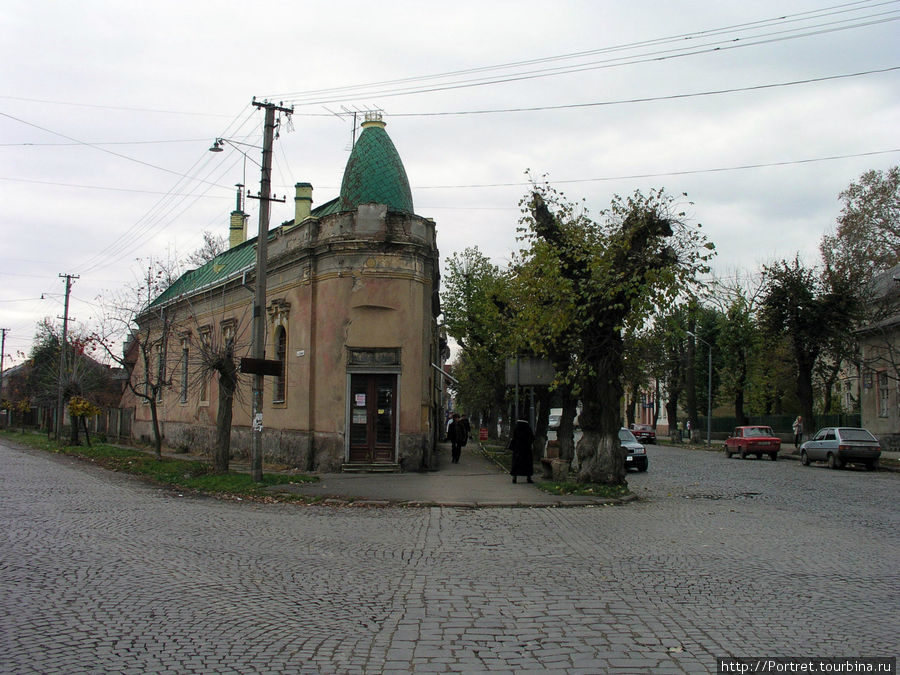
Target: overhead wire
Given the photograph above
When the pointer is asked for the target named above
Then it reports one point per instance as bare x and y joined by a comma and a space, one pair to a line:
844, 7
389, 88
154, 218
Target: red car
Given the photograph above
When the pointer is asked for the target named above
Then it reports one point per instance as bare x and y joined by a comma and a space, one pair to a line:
644, 433
757, 441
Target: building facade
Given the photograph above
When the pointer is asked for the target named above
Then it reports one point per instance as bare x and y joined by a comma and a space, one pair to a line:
879, 390
351, 314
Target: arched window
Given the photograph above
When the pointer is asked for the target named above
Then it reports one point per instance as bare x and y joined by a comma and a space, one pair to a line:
280, 353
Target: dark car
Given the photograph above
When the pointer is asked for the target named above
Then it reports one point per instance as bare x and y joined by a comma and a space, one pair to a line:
644, 433
636, 454
753, 440
841, 445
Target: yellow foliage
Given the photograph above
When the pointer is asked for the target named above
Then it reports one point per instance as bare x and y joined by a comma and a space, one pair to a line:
81, 407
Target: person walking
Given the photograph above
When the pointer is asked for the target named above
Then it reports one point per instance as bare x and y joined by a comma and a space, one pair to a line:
797, 426
454, 434
466, 428
520, 445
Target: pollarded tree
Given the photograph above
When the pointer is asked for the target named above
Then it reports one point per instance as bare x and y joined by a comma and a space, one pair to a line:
218, 355
618, 272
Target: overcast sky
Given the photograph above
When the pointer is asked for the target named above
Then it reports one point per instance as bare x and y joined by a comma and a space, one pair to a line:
761, 111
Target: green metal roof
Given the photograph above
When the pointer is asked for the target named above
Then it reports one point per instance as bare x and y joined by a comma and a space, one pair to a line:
375, 173
225, 265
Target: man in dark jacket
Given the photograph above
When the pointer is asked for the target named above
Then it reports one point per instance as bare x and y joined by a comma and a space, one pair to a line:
455, 433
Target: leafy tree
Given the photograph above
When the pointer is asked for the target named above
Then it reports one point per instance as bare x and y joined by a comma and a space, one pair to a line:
867, 238
809, 310
79, 411
739, 342
82, 375
615, 274
472, 302
704, 322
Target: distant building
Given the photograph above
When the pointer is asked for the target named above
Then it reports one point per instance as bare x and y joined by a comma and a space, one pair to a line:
879, 392
351, 309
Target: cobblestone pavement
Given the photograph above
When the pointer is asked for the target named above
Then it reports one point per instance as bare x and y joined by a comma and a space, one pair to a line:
101, 573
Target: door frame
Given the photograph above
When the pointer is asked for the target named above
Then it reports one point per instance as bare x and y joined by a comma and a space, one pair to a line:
348, 405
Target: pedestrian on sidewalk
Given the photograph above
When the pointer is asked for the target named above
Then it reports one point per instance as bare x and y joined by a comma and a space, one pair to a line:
797, 426
520, 445
455, 433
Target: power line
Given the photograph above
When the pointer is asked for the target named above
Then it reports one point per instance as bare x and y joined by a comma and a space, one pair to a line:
108, 188
667, 173
398, 88
647, 99
78, 143
845, 7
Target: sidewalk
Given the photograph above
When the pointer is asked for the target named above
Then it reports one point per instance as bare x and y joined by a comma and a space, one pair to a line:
474, 482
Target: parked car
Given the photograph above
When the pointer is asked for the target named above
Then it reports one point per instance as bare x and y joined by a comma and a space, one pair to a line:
636, 454
644, 433
841, 445
753, 440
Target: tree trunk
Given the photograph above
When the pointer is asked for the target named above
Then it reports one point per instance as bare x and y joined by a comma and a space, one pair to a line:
227, 384
672, 413
805, 396
739, 394
157, 436
73, 430
87, 434
541, 423
690, 384
565, 434
599, 453
630, 408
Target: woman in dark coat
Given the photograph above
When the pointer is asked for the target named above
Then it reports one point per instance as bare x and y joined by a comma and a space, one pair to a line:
520, 445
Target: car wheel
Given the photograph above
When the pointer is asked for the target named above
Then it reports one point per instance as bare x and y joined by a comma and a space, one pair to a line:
774, 456
804, 458
727, 453
642, 468
833, 461
758, 455
743, 454
872, 465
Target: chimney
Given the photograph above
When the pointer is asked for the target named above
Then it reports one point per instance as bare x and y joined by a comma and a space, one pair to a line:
302, 202
237, 230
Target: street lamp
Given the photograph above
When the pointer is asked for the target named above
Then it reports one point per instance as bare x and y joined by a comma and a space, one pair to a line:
708, 387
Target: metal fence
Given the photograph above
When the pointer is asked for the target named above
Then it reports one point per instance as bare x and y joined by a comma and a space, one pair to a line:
781, 424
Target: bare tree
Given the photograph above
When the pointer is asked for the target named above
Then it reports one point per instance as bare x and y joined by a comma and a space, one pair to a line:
135, 332
212, 246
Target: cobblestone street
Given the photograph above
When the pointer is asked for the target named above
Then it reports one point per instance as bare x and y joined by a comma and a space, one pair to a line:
103, 573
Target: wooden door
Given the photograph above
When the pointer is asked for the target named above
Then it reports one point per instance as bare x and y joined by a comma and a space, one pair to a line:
373, 413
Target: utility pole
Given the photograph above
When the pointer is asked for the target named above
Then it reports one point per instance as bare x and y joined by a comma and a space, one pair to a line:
62, 354
2, 355
258, 347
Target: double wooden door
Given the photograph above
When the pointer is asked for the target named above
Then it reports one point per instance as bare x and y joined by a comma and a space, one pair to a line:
373, 415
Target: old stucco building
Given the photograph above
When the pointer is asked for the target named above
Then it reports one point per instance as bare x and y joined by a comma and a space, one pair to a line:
351, 308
